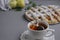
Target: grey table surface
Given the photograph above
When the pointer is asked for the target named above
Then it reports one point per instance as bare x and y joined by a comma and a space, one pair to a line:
12, 23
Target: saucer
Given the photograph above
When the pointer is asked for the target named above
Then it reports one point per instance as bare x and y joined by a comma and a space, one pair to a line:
27, 37
50, 38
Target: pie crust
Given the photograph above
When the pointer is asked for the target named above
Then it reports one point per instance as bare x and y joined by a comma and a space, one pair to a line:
50, 13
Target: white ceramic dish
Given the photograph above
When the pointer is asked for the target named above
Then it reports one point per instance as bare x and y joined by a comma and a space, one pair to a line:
30, 38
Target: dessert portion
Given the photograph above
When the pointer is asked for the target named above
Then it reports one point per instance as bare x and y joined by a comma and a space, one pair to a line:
50, 13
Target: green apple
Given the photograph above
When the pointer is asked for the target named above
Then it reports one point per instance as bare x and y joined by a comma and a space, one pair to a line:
13, 3
21, 3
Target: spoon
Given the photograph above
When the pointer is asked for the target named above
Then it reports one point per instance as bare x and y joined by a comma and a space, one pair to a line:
37, 23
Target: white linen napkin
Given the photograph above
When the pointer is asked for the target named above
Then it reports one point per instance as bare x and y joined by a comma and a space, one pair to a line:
4, 4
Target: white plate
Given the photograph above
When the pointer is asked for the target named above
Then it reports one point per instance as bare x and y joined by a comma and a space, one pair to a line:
30, 38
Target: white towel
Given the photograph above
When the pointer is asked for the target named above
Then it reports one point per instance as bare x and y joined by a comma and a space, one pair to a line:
4, 4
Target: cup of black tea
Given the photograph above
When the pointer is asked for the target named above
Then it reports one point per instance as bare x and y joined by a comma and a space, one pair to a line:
39, 29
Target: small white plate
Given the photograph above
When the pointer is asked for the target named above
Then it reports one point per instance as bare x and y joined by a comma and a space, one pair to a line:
30, 38
50, 38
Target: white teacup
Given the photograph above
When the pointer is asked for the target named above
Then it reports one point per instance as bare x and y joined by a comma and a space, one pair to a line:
39, 34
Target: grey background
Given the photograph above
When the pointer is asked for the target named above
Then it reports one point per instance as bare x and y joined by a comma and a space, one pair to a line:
12, 23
